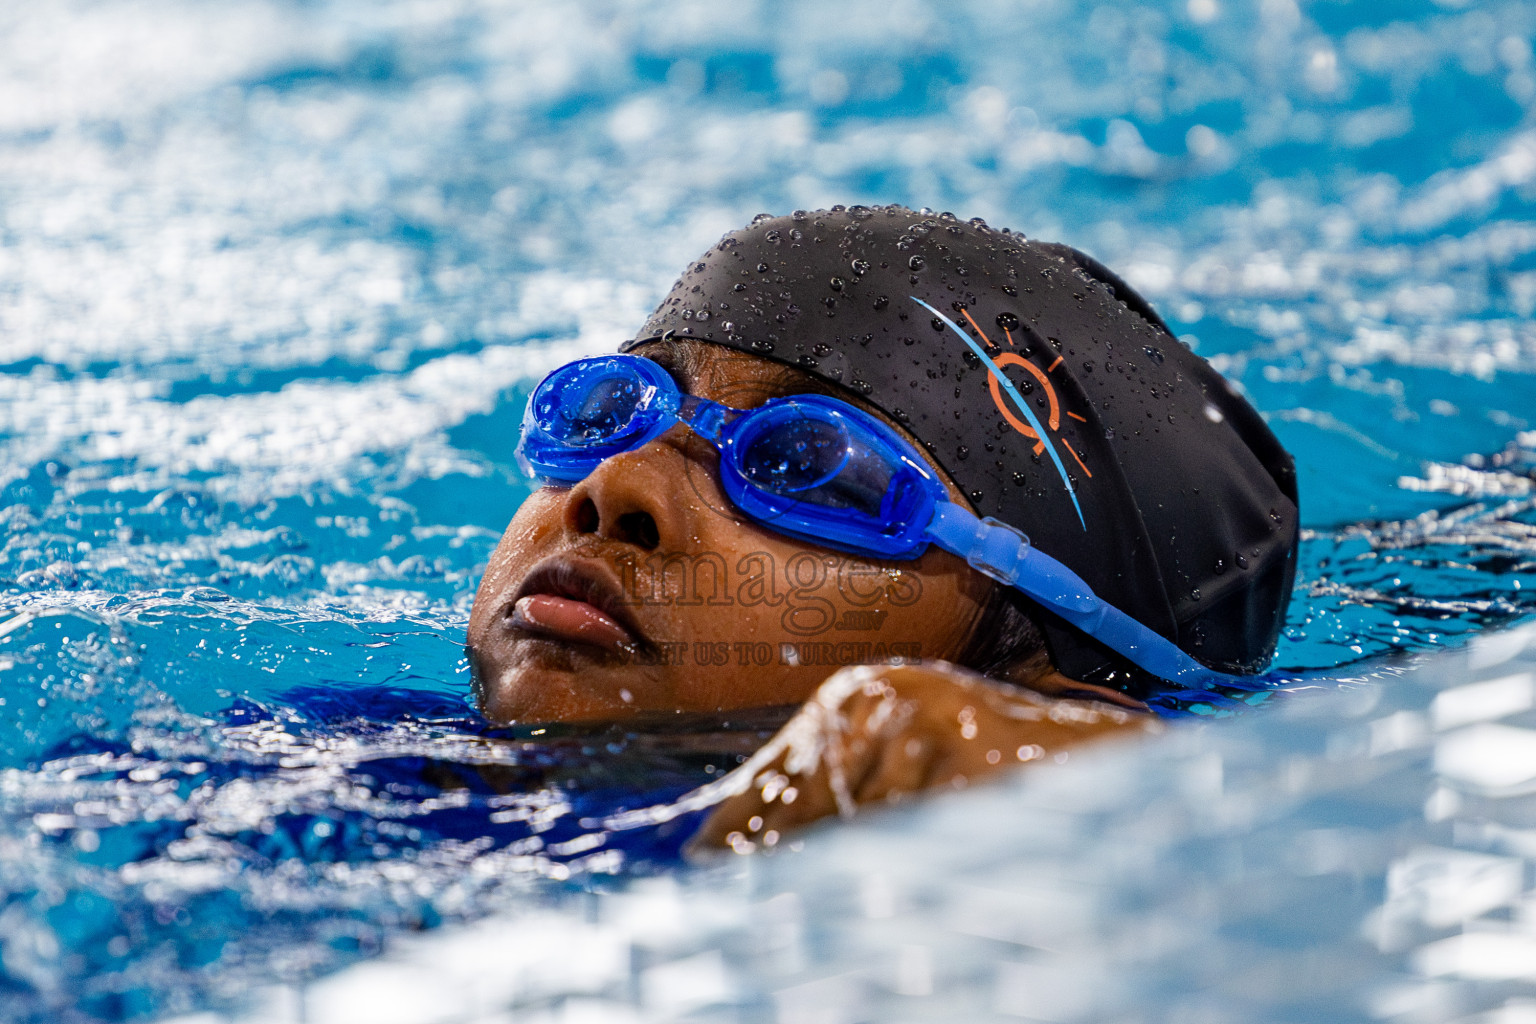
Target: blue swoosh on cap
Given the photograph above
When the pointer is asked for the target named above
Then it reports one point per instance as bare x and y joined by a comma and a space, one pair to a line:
1018, 400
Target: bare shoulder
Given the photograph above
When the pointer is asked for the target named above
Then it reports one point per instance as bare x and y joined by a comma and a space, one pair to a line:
879, 733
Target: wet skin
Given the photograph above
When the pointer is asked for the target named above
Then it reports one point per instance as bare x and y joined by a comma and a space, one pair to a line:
642, 589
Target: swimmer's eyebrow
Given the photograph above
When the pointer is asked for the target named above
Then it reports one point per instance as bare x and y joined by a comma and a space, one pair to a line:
681, 364
669, 358
791, 381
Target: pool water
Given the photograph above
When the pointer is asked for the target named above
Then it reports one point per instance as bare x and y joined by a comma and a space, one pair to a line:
1357, 856
276, 277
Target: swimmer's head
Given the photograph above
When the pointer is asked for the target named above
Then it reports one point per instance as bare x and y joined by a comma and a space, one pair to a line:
1047, 392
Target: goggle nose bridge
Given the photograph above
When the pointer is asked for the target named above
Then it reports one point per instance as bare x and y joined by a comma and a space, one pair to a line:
706, 418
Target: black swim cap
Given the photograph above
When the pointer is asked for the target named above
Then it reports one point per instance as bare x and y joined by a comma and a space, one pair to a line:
1153, 480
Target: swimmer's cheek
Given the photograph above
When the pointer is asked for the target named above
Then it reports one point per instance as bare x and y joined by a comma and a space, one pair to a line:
881, 734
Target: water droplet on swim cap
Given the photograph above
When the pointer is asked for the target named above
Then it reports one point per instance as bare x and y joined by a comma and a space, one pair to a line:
881, 301
836, 284
772, 237
1153, 353
860, 267
916, 262
762, 268
1008, 321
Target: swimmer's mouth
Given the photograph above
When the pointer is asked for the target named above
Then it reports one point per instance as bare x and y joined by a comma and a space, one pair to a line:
578, 603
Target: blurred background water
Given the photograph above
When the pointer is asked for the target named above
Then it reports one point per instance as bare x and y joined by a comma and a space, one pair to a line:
275, 277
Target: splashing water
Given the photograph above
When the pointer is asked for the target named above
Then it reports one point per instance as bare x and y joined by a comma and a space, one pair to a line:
276, 280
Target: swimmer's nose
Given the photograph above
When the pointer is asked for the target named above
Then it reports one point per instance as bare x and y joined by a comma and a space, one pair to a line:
635, 499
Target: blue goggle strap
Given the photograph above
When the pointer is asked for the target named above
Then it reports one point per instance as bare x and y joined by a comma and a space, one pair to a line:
1006, 555
989, 546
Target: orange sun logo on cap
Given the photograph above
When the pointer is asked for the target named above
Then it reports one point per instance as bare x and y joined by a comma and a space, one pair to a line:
999, 385
1053, 415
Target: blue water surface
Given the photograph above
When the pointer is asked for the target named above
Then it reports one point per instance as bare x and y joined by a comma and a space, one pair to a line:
276, 275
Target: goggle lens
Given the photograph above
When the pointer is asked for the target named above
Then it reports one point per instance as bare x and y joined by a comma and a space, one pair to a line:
795, 455
589, 406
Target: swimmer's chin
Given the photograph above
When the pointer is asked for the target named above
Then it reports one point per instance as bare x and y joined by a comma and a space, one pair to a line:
529, 695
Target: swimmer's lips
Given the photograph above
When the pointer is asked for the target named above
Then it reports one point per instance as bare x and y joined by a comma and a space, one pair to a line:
575, 603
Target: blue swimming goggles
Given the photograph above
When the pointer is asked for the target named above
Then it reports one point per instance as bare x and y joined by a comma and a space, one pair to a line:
825, 472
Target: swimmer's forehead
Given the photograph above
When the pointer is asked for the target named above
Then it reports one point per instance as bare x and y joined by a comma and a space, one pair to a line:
737, 378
